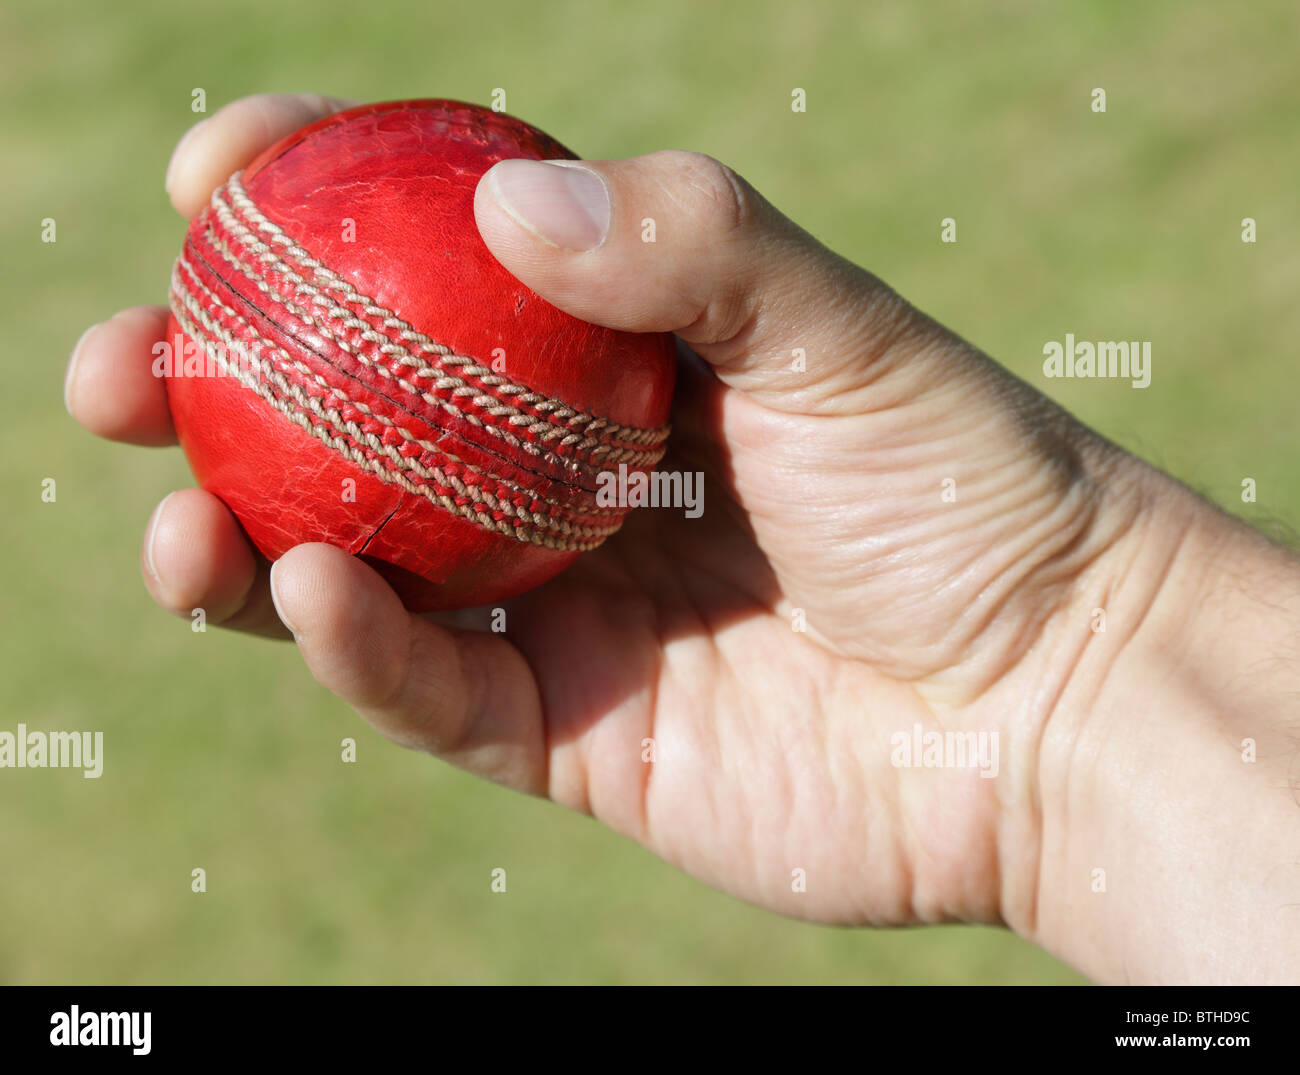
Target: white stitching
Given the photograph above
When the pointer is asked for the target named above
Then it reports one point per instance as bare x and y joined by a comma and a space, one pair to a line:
575, 537
287, 362
401, 331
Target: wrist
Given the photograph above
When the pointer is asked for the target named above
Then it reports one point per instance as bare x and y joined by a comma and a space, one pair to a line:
1166, 852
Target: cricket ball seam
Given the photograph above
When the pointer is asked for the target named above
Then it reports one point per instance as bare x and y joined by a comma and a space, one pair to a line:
611, 453
191, 317
288, 364
557, 413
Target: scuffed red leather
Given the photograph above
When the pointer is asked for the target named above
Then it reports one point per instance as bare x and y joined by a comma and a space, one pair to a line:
404, 174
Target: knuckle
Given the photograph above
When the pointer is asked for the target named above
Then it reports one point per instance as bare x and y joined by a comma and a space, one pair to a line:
718, 200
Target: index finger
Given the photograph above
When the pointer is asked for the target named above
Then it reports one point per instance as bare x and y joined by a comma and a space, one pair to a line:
214, 148
109, 387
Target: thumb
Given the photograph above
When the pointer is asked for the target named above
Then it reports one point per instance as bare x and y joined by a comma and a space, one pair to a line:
677, 242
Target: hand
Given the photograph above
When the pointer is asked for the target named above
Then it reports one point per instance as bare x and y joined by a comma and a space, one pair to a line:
943, 530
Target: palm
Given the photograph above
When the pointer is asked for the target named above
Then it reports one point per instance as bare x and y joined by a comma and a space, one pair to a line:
675, 683
639, 655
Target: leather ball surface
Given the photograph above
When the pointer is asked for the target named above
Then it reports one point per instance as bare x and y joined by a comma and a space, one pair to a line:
351, 364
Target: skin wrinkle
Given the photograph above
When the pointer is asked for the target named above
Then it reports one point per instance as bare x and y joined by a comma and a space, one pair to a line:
641, 713
1034, 627
827, 707
740, 303
734, 351
770, 860
1098, 678
1009, 583
1002, 508
1038, 732
737, 760
731, 201
661, 672
710, 329
907, 838
850, 770
1075, 597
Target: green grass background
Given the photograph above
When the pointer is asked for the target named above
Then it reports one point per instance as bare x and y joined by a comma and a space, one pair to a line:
222, 753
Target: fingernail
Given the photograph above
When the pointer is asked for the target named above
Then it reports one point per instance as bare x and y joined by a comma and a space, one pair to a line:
565, 204
151, 537
177, 153
279, 609
72, 366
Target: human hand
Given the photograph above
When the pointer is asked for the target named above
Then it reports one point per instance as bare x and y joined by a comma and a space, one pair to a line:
943, 530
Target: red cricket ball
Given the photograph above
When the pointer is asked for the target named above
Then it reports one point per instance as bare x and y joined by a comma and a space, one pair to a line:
350, 364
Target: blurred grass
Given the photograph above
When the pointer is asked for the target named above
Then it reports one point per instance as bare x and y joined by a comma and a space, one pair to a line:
221, 753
